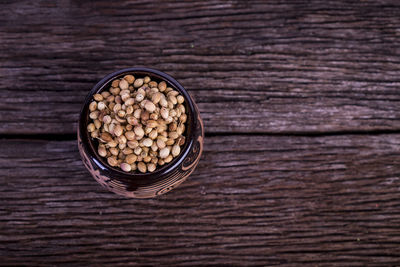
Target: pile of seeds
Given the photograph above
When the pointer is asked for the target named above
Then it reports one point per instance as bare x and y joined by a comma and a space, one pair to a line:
139, 123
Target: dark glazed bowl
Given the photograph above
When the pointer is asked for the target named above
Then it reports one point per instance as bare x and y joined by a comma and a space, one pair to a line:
164, 178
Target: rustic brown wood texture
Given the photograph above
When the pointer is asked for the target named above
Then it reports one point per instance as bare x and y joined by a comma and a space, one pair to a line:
300, 101
288, 200
281, 66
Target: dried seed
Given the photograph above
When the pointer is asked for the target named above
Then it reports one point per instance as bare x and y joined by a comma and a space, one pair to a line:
118, 99
121, 146
118, 130
94, 115
154, 147
164, 113
121, 113
130, 101
180, 99
134, 166
131, 158
132, 120
127, 151
130, 135
117, 108
151, 167
138, 131
138, 83
115, 90
102, 151
168, 89
175, 150
125, 167
122, 139
153, 84
151, 124
114, 151
162, 86
160, 143
129, 110
149, 106
137, 150
170, 142
93, 106
156, 98
101, 106
133, 144
173, 135
153, 134
168, 159
147, 142
125, 97
94, 134
144, 115
161, 162
183, 118
164, 152
137, 113
172, 126
112, 143
105, 94
146, 79
91, 127
147, 159
164, 102
123, 84
97, 124
112, 161
129, 78
115, 83
106, 137
142, 167
98, 97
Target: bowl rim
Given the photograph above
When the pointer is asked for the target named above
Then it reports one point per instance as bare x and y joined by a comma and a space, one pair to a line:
140, 178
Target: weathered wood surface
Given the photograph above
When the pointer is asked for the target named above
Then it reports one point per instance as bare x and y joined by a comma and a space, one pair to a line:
264, 200
253, 66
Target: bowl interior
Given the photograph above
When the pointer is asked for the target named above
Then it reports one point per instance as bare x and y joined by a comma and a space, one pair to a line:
90, 145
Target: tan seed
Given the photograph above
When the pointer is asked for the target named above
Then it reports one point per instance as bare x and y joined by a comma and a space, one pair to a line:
149, 106
138, 131
151, 167
93, 106
125, 167
130, 135
123, 84
156, 98
162, 86
102, 151
118, 130
138, 83
146, 79
97, 124
127, 151
114, 151
168, 159
130, 101
142, 167
129, 78
129, 110
137, 150
91, 127
98, 97
94, 134
180, 99
131, 158
112, 161
151, 124
121, 113
106, 137
112, 143
147, 159
175, 150
133, 144
170, 142
153, 84
94, 115
164, 152
115, 83
132, 120
117, 108
105, 94
160, 144
101, 106
153, 134
173, 135
147, 142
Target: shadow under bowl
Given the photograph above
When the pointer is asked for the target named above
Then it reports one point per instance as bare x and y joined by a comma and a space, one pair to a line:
164, 178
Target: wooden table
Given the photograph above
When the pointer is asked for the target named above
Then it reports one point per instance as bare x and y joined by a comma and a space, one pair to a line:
301, 105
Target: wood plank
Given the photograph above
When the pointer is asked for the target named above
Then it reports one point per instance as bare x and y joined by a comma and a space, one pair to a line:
328, 200
253, 66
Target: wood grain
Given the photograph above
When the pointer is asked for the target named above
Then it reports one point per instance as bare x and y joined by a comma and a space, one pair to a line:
253, 66
328, 200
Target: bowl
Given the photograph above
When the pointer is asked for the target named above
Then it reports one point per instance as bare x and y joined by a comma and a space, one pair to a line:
164, 178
